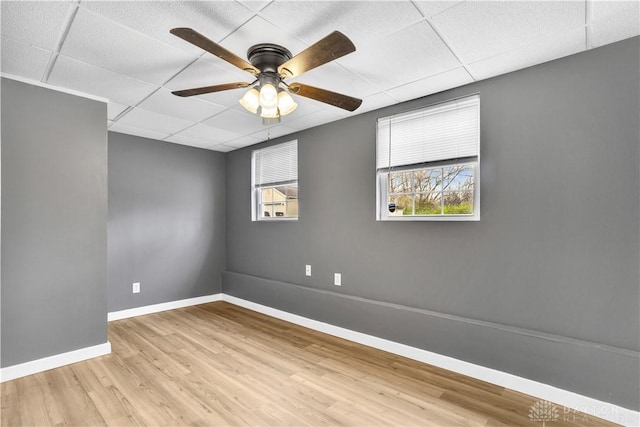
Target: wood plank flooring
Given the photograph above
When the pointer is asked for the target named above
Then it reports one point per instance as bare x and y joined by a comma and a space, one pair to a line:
218, 364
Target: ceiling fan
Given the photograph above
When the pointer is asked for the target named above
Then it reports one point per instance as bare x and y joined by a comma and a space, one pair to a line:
271, 64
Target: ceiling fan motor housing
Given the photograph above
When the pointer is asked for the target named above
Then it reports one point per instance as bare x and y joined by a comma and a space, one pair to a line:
267, 57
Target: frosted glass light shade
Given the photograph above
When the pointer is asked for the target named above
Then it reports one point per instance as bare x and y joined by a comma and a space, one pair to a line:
286, 104
269, 112
268, 96
251, 100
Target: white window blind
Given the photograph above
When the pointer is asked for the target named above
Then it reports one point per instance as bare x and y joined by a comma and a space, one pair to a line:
450, 130
277, 164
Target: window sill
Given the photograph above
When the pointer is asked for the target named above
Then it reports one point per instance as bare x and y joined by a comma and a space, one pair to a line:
454, 218
283, 219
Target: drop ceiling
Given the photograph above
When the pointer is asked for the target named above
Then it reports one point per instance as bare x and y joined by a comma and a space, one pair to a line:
123, 51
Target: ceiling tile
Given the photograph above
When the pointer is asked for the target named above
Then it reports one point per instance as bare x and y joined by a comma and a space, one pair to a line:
387, 64
255, 5
438, 83
541, 51
148, 120
244, 141
613, 21
233, 120
478, 30
95, 40
272, 132
375, 101
337, 79
433, 7
257, 30
362, 22
73, 74
192, 108
22, 60
305, 106
132, 130
214, 19
185, 140
227, 98
317, 118
38, 23
210, 134
114, 109
222, 148
205, 72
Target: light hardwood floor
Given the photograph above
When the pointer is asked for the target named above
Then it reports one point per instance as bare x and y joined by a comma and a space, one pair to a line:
219, 364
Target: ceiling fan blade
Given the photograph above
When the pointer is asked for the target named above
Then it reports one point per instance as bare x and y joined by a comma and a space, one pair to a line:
333, 98
326, 50
195, 38
209, 89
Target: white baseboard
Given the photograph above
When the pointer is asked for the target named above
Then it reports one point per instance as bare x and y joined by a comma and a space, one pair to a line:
156, 308
33, 367
567, 399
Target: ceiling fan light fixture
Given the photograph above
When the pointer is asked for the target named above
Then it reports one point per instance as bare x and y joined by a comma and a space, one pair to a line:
286, 104
251, 100
268, 96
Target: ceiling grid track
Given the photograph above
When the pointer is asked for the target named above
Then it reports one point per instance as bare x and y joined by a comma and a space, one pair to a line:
588, 16
444, 40
54, 55
449, 46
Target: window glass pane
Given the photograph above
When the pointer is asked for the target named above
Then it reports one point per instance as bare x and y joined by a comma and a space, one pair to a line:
266, 205
427, 180
428, 204
400, 182
292, 209
291, 196
458, 177
458, 203
266, 210
404, 204
266, 195
279, 209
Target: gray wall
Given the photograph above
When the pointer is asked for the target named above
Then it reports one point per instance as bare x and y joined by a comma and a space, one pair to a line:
166, 221
545, 286
54, 222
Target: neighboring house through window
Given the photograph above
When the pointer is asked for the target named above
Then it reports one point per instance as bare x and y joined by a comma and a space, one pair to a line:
428, 163
275, 182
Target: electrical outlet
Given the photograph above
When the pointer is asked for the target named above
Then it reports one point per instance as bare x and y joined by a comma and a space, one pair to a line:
337, 279
136, 288
307, 270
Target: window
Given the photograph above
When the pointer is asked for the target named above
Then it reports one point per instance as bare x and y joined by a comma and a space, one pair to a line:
428, 163
275, 182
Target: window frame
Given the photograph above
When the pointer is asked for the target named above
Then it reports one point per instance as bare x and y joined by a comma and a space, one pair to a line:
382, 175
257, 189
